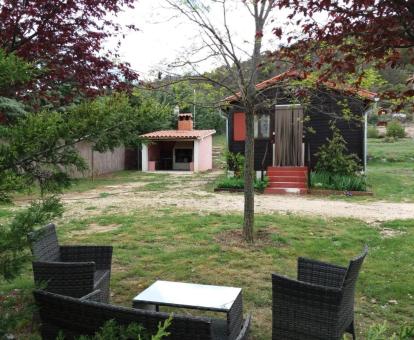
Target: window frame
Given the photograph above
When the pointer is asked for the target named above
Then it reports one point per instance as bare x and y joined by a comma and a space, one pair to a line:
257, 120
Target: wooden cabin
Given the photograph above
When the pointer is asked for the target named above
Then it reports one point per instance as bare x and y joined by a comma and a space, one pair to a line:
288, 134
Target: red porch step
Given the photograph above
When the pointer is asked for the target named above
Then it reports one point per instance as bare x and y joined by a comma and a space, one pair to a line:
287, 180
299, 185
298, 179
285, 191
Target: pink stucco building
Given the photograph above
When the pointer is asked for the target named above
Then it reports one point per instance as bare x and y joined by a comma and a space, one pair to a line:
182, 149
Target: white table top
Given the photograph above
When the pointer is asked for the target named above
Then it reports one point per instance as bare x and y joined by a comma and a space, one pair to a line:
189, 295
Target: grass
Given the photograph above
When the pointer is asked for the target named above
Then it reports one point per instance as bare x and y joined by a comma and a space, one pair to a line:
185, 246
391, 169
390, 173
400, 151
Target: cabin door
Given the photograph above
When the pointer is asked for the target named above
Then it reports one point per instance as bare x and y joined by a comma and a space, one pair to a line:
288, 148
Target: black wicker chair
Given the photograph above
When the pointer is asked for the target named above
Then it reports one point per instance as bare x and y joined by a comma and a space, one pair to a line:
319, 305
70, 270
84, 316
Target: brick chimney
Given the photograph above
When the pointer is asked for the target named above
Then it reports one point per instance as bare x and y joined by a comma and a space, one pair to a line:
185, 121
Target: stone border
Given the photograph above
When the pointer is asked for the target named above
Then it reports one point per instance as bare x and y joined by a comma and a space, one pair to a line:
235, 190
328, 192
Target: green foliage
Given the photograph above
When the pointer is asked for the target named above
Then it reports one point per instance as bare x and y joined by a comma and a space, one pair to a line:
113, 331
238, 183
385, 118
40, 148
325, 180
206, 99
13, 236
11, 108
372, 80
373, 118
333, 156
379, 332
372, 132
16, 306
235, 162
14, 71
395, 129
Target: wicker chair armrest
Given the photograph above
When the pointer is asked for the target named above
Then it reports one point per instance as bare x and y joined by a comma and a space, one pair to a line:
57, 265
289, 290
320, 273
67, 278
96, 296
244, 333
101, 255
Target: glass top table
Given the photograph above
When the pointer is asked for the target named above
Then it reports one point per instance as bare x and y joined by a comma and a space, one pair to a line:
189, 295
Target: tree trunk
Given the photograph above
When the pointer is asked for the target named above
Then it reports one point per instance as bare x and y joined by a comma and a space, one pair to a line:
249, 175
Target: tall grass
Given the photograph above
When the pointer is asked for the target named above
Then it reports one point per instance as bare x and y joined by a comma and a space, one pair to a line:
325, 180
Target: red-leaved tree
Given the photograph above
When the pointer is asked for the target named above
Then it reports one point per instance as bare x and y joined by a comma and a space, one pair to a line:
64, 39
341, 36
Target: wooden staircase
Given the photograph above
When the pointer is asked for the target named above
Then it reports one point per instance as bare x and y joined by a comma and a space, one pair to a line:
287, 180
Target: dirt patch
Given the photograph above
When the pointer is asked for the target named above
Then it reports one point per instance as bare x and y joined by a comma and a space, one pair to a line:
95, 228
389, 233
194, 197
234, 238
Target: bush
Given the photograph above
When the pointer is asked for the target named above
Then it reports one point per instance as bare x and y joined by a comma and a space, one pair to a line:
111, 331
395, 129
333, 157
238, 183
325, 180
373, 119
372, 132
235, 162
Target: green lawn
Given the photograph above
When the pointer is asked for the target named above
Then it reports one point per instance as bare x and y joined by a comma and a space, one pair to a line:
391, 169
175, 245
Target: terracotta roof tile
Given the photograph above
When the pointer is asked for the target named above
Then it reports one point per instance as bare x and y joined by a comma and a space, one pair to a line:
295, 74
178, 134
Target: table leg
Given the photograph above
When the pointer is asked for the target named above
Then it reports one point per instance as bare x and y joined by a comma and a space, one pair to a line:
146, 306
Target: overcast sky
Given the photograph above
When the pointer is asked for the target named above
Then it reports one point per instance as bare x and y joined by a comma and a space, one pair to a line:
164, 36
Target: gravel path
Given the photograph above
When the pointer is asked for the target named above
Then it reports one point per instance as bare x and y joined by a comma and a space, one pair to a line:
125, 198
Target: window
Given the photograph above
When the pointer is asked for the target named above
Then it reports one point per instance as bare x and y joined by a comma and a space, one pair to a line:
261, 126
183, 155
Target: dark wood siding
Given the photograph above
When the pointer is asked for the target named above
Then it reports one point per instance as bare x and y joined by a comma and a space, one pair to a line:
262, 147
322, 110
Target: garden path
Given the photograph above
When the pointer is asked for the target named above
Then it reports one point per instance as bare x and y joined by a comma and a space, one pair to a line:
185, 191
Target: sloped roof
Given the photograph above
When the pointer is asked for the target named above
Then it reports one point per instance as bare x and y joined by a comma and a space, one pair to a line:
178, 134
296, 74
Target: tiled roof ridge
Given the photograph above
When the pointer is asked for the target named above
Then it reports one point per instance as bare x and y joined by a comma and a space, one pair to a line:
296, 74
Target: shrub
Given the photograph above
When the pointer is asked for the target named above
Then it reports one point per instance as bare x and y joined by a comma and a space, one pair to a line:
325, 180
372, 132
333, 157
395, 129
111, 331
235, 162
373, 119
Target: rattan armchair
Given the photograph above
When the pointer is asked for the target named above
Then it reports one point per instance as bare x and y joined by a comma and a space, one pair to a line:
317, 306
70, 270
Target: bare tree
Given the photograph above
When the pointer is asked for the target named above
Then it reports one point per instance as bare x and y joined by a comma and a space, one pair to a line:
218, 42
